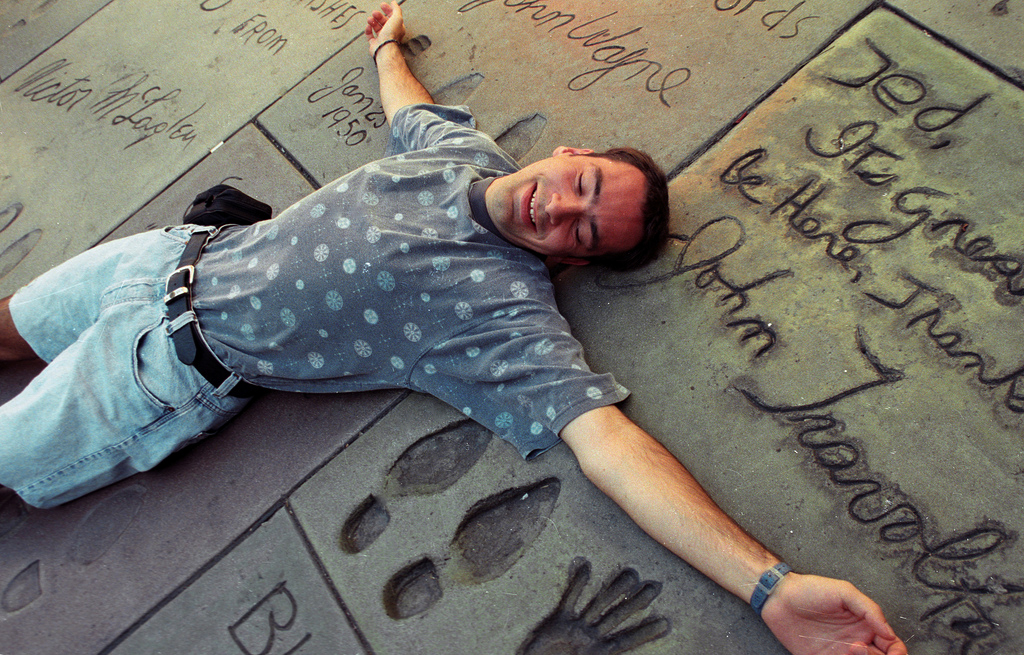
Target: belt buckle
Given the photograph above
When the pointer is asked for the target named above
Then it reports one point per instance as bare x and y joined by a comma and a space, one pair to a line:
185, 284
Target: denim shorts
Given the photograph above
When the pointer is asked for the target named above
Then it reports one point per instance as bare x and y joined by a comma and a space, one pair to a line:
114, 399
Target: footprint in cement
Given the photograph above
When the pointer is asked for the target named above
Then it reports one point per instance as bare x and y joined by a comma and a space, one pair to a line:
104, 524
418, 44
23, 589
94, 535
492, 537
590, 631
12, 512
520, 138
457, 92
431, 465
13, 254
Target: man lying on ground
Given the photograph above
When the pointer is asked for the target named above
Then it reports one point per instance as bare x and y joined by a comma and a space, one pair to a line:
425, 270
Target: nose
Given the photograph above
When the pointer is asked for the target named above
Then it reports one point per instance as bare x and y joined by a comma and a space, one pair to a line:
564, 207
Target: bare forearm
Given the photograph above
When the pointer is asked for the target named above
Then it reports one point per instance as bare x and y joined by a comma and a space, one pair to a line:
385, 31
398, 86
638, 473
650, 484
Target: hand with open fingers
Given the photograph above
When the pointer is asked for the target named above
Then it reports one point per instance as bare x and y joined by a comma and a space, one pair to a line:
811, 615
385, 25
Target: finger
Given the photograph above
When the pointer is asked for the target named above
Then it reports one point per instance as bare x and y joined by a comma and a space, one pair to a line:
652, 628
885, 641
894, 646
623, 585
876, 619
579, 575
862, 606
633, 603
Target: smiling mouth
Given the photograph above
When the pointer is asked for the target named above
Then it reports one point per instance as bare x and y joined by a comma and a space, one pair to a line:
533, 208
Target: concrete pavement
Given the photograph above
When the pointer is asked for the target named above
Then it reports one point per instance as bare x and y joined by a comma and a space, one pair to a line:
830, 342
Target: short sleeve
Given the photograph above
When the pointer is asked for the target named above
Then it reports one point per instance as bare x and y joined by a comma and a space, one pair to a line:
420, 126
521, 377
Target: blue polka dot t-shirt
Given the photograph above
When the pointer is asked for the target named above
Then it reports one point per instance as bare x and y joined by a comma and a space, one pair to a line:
383, 279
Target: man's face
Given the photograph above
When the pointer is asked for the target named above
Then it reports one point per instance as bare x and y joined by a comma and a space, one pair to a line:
570, 207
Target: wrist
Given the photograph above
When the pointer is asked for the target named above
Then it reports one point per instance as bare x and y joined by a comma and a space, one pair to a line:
381, 45
767, 585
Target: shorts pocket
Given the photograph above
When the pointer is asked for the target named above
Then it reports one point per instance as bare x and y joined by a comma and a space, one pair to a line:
163, 379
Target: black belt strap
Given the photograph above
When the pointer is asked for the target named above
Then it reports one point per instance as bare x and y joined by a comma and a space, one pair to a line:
188, 344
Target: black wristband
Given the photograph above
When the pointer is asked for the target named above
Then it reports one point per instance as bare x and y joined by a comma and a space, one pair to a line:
377, 49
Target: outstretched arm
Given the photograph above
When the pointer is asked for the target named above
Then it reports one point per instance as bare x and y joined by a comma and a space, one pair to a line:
808, 614
385, 31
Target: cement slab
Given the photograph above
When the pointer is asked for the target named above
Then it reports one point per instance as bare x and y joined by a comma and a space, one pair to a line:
246, 161
989, 30
906, 484
664, 79
832, 340
265, 596
333, 121
109, 116
29, 27
138, 541
279, 425
429, 522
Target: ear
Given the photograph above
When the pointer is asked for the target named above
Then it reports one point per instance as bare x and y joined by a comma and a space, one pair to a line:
571, 261
565, 150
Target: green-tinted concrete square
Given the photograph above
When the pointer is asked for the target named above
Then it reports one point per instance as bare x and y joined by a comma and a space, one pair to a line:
832, 337
663, 77
113, 113
134, 543
989, 30
246, 161
29, 28
265, 596
442, 539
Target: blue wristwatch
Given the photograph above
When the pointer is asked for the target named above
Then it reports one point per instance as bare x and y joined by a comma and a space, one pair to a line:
766, 585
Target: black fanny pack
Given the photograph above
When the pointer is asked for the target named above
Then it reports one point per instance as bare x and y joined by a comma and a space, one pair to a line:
225, 205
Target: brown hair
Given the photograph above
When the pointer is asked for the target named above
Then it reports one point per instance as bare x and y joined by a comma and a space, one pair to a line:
655, 211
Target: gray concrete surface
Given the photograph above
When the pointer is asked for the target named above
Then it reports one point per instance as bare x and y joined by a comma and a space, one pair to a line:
274, 578
822, 301
831, 340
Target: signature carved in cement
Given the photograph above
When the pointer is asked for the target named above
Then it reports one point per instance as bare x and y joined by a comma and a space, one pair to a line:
958, 569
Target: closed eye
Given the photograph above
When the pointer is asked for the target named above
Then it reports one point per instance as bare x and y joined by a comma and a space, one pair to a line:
582, 225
